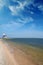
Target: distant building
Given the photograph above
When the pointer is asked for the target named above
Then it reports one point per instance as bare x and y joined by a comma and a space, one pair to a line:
4, 35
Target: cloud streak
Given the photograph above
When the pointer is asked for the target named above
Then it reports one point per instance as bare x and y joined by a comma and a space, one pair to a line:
2, 4
16, 9
26, 20
22, 17
40, 7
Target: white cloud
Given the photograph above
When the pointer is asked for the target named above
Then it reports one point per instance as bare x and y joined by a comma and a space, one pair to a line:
16, 24
25, 20
32, 12
12, 24
2, 3
31, 32
40, 7
13, 10
21, 5
16, 9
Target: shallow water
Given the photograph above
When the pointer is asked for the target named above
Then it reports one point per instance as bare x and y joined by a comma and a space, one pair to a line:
37, 42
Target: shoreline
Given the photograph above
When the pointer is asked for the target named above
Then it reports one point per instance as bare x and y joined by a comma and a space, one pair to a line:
22, 55
6, 57
35, 55
19, 55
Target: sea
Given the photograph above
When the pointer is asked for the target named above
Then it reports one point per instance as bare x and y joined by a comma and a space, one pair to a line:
36, 42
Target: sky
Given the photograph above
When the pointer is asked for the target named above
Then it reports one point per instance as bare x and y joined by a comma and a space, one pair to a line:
21, 18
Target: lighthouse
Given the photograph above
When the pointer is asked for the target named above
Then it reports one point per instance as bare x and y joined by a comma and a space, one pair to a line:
4, 35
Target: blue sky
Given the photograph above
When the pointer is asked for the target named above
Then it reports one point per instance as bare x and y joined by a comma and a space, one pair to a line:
21, 18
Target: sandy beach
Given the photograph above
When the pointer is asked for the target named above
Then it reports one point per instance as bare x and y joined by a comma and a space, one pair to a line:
13, 55
7, 58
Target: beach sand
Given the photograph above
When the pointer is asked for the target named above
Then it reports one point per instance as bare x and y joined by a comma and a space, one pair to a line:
20, 55
5, 56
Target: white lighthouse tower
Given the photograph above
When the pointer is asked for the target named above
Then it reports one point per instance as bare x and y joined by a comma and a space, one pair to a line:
4, 35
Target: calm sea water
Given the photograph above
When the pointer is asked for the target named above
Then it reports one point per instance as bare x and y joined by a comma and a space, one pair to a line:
37, 42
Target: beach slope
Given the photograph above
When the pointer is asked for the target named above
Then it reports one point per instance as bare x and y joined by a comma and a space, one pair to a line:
7, 58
